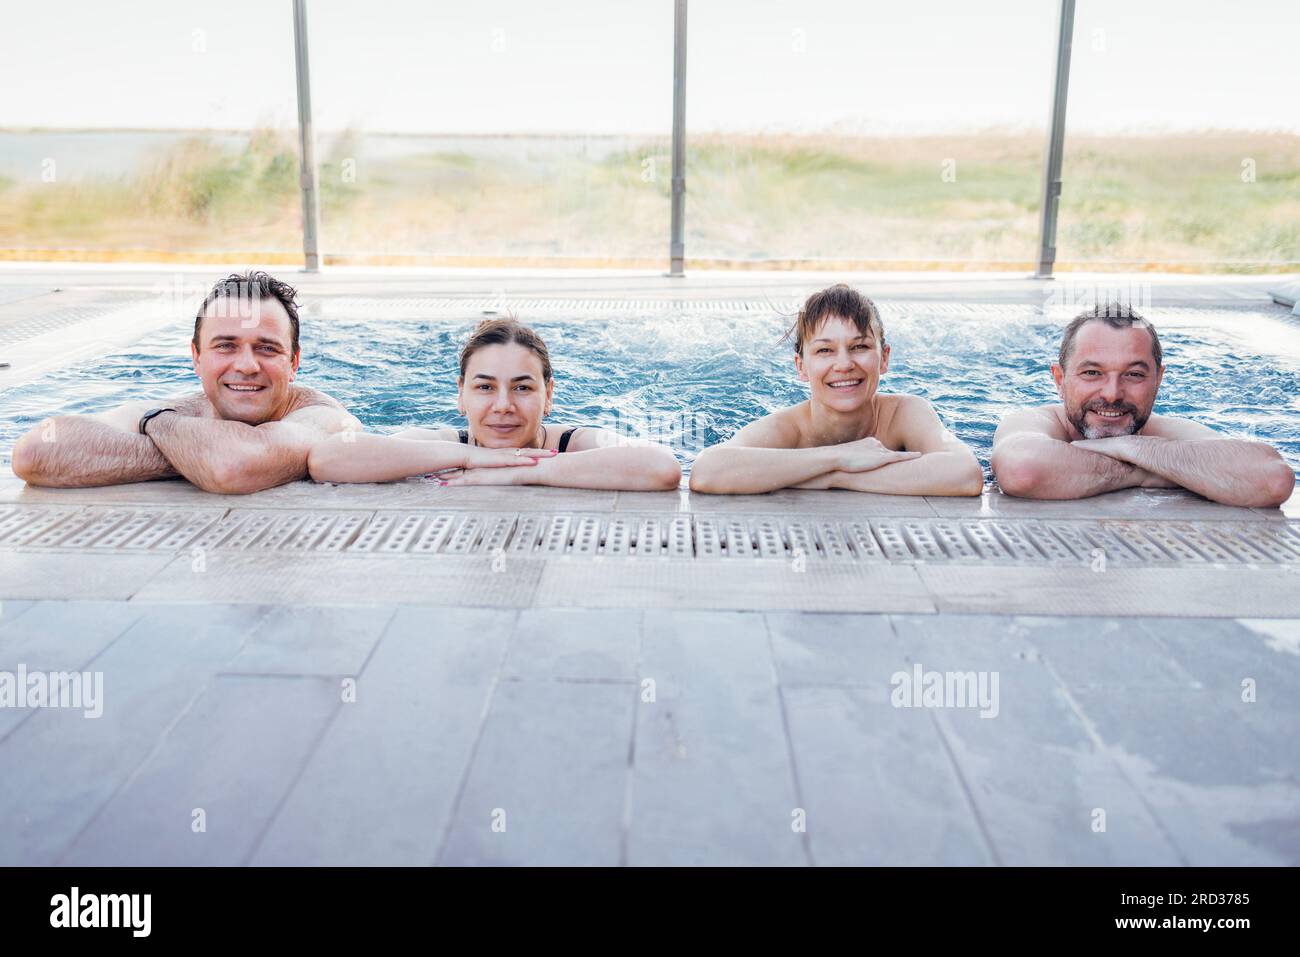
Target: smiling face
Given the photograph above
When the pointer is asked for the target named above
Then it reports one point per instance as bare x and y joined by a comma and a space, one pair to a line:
842, 365
504, 396
1110, 382
245, 360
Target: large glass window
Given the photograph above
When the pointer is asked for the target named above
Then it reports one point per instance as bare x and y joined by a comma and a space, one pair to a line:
867, 132
1181, 146
494, 132
149, 131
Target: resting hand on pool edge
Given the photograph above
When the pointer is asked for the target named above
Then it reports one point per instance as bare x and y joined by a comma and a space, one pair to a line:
948, 471
1228, 471
614, 467
596, 459
361, 457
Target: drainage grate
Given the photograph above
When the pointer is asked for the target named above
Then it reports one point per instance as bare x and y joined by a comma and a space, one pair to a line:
666, 536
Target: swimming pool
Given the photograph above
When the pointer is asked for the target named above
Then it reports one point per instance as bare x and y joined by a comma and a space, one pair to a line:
692, 377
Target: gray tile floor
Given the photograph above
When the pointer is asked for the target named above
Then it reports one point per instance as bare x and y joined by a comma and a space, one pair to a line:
235, 734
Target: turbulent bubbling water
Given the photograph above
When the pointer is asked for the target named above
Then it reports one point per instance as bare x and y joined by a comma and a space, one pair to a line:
692, 379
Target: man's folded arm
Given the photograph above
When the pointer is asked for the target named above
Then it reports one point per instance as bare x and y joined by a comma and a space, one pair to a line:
1029, 465
1029, 462
235, 458
1224, 470
82, 451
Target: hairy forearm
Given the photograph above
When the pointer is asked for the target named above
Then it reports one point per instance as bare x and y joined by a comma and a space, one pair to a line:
74, 452
356, 457
1229, 471
738, 470
231, 457
629, 468
936, 473
1038, 466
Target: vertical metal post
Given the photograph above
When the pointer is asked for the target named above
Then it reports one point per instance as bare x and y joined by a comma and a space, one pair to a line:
1055, 144
306, 143
677, 243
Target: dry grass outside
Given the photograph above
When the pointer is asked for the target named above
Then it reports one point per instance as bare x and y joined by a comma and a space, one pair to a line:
456, 204
1177, 200
1182, 198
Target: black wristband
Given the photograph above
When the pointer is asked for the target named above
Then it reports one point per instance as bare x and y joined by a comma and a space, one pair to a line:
144, 419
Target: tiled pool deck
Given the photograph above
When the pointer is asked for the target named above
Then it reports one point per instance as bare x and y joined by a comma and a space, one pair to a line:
410, 675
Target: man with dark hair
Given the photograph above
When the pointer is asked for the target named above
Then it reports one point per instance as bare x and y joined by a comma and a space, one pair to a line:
249, 429
1102, 436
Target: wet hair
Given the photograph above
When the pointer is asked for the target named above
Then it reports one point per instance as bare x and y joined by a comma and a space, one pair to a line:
495, 332
1116, 315
252, 285
837, 300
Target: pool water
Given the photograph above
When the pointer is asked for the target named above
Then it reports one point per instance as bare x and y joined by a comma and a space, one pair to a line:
691, 379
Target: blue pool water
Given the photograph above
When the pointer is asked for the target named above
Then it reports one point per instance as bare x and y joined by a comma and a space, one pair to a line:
692, 379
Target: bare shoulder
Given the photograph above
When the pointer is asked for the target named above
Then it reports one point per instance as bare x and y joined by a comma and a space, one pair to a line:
1042, 420
127, 415
584, 437
317, 410
587, 437
910, 422
305, 398
904, 408
1173, 427
783, 429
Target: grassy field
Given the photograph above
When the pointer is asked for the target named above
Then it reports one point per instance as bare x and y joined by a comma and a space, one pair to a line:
1217, 200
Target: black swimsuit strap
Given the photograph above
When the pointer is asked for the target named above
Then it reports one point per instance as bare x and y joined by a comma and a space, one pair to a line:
464, 436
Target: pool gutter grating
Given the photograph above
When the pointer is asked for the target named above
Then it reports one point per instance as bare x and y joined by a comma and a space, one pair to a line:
662, 536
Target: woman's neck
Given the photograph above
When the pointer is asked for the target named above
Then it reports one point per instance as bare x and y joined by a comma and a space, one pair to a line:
832, 427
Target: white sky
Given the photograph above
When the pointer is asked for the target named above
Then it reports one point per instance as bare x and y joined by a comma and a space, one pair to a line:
915, 66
